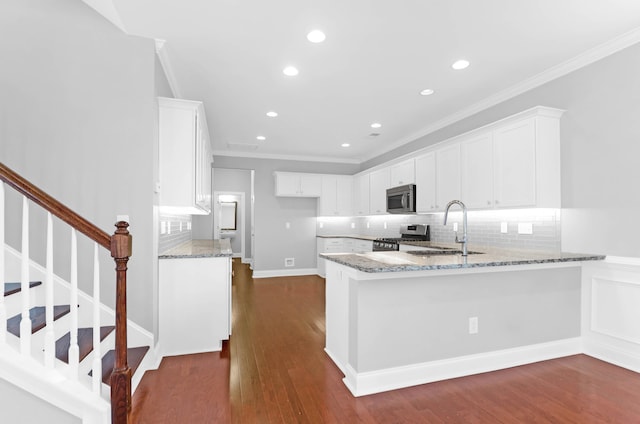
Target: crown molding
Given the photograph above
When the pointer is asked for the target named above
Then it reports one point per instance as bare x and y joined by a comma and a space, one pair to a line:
166, 66
107, 9
588, 57
300, 158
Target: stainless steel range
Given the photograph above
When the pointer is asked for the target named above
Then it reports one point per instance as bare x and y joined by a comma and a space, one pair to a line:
413, 232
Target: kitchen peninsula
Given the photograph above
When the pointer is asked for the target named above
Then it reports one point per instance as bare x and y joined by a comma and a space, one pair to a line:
195, 297
397, 319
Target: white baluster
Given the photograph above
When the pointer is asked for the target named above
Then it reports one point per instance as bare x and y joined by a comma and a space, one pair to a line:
3, 309
97, 351
74, 351
25, 322
50, 338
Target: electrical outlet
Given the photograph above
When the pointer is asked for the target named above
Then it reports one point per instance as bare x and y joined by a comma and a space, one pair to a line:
353, 225
287, 225
385, 225
473, 325
322, 225
455, 226
289, 262
504, 228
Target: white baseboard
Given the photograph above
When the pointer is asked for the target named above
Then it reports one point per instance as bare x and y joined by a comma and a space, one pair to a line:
366, 383
284, 272
613, 354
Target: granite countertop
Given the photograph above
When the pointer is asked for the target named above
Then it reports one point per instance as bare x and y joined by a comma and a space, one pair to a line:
425, 260
199, 249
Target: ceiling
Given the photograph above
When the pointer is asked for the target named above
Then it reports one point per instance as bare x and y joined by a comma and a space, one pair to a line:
377, 57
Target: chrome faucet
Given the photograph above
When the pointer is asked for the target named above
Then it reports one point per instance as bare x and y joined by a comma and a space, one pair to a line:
464, 223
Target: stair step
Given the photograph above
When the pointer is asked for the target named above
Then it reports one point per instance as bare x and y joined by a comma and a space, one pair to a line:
134, 358
85, 342
12, 288
38, 318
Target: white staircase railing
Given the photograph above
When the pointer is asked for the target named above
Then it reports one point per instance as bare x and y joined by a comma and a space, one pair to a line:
42, 348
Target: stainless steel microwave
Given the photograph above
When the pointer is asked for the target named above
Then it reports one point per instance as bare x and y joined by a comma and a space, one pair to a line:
401, 199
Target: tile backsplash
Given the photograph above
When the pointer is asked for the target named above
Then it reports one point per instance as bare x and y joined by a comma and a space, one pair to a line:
174, 230
484, 227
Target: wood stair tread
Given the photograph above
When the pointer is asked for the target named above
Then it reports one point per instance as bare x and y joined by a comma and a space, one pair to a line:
85, 342
38, 318
134, 358
12, 288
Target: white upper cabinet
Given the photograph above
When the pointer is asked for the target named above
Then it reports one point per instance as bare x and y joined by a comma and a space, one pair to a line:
447, 175
379, 182
426, 183
361, 195
297, 184
515, 164
185, 157
477, 171
403, 173
337, 196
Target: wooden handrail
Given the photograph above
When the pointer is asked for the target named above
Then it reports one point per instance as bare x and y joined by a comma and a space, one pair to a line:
56, 208
120, 247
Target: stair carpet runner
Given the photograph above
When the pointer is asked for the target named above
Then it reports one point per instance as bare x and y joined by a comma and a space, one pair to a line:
85, 335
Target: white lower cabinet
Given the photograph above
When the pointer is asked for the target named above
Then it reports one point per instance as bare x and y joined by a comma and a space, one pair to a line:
340, 245
195, 304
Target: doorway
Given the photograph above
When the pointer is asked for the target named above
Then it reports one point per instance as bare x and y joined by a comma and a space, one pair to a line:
229, 220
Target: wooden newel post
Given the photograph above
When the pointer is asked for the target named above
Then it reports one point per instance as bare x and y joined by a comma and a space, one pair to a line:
121, 376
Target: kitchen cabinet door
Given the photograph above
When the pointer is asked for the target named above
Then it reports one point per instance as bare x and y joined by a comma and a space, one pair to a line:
426, 183
403, 173
361, 195
447, 175
185, 157
336, 196
515, 164
477, 171
379, 182
296, 184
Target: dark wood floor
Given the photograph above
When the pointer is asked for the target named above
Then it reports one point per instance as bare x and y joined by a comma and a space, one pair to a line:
274, 370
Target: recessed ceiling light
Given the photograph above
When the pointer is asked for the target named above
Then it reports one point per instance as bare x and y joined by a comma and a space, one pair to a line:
426, 92
345, 144
290, 71
261, 138
376, 125
272, 114
460, 64
316, 36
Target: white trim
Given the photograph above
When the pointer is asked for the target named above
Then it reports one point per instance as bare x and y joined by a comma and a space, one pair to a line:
237, 154
107, 9
166, 66
586, 58
284, 272
365, 383
612, 354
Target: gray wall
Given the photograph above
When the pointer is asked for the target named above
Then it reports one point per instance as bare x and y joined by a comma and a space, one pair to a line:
274, 243
600, 134
78, 118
